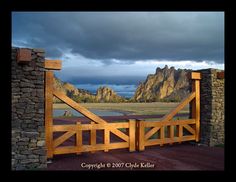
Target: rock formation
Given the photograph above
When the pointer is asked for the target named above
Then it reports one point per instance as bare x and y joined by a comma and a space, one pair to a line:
103, 94
167, 84
106, 94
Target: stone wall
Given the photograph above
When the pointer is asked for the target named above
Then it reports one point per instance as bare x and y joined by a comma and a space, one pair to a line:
28, 138
212, 108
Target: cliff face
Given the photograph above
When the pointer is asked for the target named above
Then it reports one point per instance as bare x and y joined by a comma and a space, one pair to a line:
104, 94
167, 84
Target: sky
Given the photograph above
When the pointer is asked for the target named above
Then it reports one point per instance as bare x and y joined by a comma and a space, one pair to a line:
119, 49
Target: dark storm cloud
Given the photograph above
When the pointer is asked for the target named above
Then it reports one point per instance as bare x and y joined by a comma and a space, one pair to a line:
118, 80
123, 35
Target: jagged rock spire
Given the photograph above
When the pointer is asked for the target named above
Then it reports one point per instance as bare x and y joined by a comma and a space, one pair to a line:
165, 83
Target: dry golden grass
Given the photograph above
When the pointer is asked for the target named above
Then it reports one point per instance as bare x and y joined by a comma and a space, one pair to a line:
131, 108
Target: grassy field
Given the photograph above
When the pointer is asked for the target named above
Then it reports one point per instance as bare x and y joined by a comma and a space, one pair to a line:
131, 108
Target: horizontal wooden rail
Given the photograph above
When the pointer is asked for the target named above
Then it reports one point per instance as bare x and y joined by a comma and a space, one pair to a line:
90, 127
166, 123
88, 148
168, 140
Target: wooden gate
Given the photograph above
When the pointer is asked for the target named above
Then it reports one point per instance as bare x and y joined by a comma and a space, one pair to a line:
169, 131
53, 144
135, 134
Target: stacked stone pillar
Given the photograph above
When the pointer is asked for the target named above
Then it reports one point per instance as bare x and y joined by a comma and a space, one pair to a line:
212, 107
28, 132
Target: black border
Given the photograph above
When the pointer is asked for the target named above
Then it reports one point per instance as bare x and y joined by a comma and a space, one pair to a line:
111, 5
118, 5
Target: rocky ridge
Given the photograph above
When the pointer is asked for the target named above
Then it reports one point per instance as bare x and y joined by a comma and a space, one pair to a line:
103, 94
167, 84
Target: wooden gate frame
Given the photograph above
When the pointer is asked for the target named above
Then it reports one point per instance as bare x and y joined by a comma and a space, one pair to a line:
97, 123
49, 65
137, 138
166, 123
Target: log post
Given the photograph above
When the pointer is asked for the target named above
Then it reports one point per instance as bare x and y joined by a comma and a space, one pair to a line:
195, 104
170, 133
106, 138
49, 105
132, 133
79, 139
93, 136
141, 135
179, 129
49, 112
162, 135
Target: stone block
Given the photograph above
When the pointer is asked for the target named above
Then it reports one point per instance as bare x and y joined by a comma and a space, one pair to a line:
33, 156
26, 90
43, 159
14, 140
36, 50
32, 145
41, 143
20, 167
22, 143
43, 165
41, 54
39, 151
28, 68
20, 156
33, 140
26, 161
26, 152
24, 139
41, 128
41, 111
21, 147
30, 134
27, 84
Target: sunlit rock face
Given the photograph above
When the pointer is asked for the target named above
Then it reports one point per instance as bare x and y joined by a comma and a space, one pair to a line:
106, 94
167, 84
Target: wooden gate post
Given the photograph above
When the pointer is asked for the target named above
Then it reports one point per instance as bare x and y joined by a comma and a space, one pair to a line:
195, 104
132, 140
93, 136
49, 112
49, 65
79, 139
106, 138
140, 135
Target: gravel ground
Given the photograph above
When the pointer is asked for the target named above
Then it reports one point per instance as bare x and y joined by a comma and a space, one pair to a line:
183, 156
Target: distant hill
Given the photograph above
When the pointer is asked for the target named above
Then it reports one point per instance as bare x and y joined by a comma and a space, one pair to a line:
103, 94
167, 84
